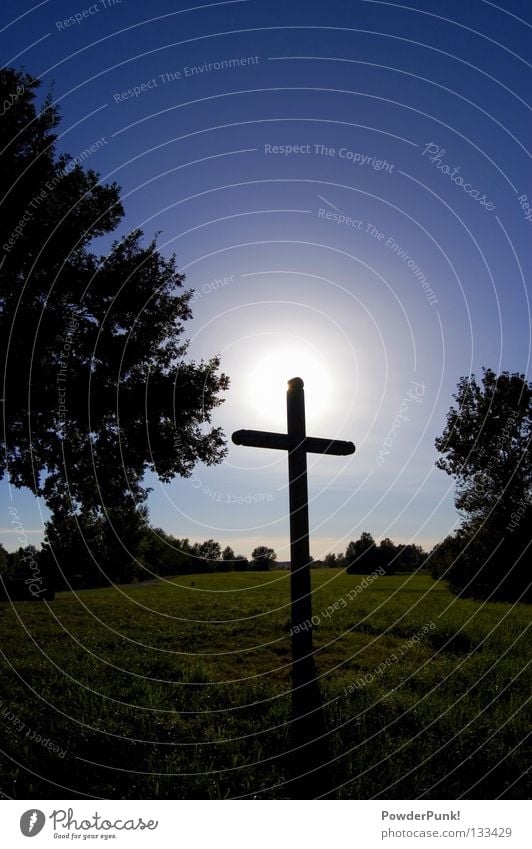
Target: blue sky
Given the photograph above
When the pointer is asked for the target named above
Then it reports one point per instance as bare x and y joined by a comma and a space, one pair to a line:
342, 184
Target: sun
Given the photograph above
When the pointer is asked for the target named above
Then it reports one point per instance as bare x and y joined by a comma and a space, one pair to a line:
268, 378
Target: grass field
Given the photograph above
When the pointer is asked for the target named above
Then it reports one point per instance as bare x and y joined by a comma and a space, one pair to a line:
181, 689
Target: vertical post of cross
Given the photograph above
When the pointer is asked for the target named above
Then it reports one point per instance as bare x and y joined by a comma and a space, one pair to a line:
301, 613
309, 776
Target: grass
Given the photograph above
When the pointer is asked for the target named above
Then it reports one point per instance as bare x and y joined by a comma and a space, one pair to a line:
182, 690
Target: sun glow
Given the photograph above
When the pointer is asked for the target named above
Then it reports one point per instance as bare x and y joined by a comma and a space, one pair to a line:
268, 380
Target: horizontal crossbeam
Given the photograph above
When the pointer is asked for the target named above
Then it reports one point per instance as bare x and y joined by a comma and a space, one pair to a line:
262, 439
282, 442
315, 445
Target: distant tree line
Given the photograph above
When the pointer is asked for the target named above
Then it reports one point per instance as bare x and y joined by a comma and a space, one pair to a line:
364, 555
78, 554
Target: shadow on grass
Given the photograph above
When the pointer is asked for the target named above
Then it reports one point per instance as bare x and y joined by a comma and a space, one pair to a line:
309, 775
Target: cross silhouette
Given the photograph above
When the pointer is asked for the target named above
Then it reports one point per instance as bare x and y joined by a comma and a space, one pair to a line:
298, 445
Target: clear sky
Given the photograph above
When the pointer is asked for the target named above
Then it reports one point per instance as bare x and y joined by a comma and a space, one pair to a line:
343, 184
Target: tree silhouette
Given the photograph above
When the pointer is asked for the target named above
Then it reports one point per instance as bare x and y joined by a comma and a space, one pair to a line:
486, 447
263, 558
361, 556
4, 560
97, 387
330, 560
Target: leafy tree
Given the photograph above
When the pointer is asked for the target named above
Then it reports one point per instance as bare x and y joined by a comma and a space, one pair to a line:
241, 563
350, 558
17, 559
227, 561
205, 556
4, 560
485, 446
361, 556
263, 558
71, 545
152, 555
122, 528
210, 550
162, 554
387, 555
410, 558
181, 558
330, 561
486, 443
97, 388
91, 548
233, 561
443, 556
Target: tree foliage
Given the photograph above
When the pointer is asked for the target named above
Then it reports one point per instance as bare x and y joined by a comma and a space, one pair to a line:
361, 555
4, 560
486, 446
94, 548
262, 558
364, 556
232, 562
97, 386
330, 561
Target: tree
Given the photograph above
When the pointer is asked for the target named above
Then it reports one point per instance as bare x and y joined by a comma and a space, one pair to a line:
122, 530
152, 555
4, 560
386, 555
91, 548
210, 550
443, 556
71, 546
97, 386
485, 446
241, 563
162, 554
329, 561
206, 556
361, 556
180, 557
263, 558
409, 558
227, 561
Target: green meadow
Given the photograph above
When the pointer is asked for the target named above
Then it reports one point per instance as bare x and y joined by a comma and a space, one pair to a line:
181, 689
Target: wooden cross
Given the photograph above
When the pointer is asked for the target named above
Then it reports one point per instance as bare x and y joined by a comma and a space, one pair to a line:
298, 444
